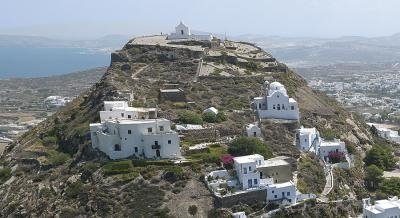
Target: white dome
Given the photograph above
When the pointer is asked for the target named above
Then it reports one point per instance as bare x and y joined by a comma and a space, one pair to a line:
276, 86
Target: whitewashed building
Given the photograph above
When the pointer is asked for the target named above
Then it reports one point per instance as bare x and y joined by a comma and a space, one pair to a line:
386, 133
389, 208
182, 32
211, 110
331, 146
308, 139
246, 170
124, 137
253, 130
56, 101
276, 103
282, 193
121, 110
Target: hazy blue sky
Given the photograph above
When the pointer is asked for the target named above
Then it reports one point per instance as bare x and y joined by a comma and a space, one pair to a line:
95, 18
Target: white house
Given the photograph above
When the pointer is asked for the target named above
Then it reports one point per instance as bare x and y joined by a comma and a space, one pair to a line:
253, 130
382, 208
331, 146
211, 110
246, 170
308, 139
121, 110
282, 193
276, 104
182, 32
123, 136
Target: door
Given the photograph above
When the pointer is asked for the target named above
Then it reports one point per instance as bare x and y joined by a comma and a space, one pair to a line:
250, 183
158, 153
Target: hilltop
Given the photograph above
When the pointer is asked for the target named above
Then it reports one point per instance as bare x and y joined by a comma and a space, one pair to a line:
54, 170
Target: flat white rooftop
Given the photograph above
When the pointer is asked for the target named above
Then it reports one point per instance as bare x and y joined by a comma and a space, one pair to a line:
272, 163
138, 121
247, 158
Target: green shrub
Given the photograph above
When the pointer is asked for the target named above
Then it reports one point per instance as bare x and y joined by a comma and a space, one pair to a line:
249, 145
74, 189
189, 117
5, 174
390, 186
209, 117
49, 140
373, 176
192, 210
117, 167
173, 174
328, 134
221, 116
57, 158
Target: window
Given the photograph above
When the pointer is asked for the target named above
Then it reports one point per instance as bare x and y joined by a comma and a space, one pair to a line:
276, 196
129, 131
292, 107
149, 129
122, 114
182, 32
245, 170
169, 142
117, 147
277, 96
136, 149
249, 168
259, 162
279, 107
161, 128
305, 140
255, 181
288, 194
129, 116
273, 107
290, 200
273, 191
276, 173
125, 139
155, 142
283, 107
259, 105
254, 134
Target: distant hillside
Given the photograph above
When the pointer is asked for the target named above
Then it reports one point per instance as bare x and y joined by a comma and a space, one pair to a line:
56, 171
305, 52
109, 41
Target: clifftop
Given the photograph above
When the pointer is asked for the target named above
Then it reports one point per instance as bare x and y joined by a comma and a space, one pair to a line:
55, 170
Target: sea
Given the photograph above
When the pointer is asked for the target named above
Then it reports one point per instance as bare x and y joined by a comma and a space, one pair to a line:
41, 62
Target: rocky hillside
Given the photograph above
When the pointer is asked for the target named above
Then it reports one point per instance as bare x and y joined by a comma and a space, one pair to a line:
53, 169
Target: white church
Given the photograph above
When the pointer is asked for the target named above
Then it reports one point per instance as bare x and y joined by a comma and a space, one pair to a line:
276, 103
126, 131
182, 32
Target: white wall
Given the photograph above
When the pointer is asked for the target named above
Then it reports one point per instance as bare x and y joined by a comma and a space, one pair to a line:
276, 193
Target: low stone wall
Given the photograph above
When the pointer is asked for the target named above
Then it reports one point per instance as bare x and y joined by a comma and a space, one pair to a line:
251, 197
202, 135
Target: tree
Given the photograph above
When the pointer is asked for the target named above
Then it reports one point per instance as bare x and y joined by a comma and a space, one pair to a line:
188, 117
192, 210
380, 156
249, 145
373, 176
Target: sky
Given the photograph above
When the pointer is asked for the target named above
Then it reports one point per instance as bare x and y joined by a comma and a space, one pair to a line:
86, 19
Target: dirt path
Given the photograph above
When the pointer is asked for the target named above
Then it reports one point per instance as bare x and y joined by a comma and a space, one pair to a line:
138, 71
195, 193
